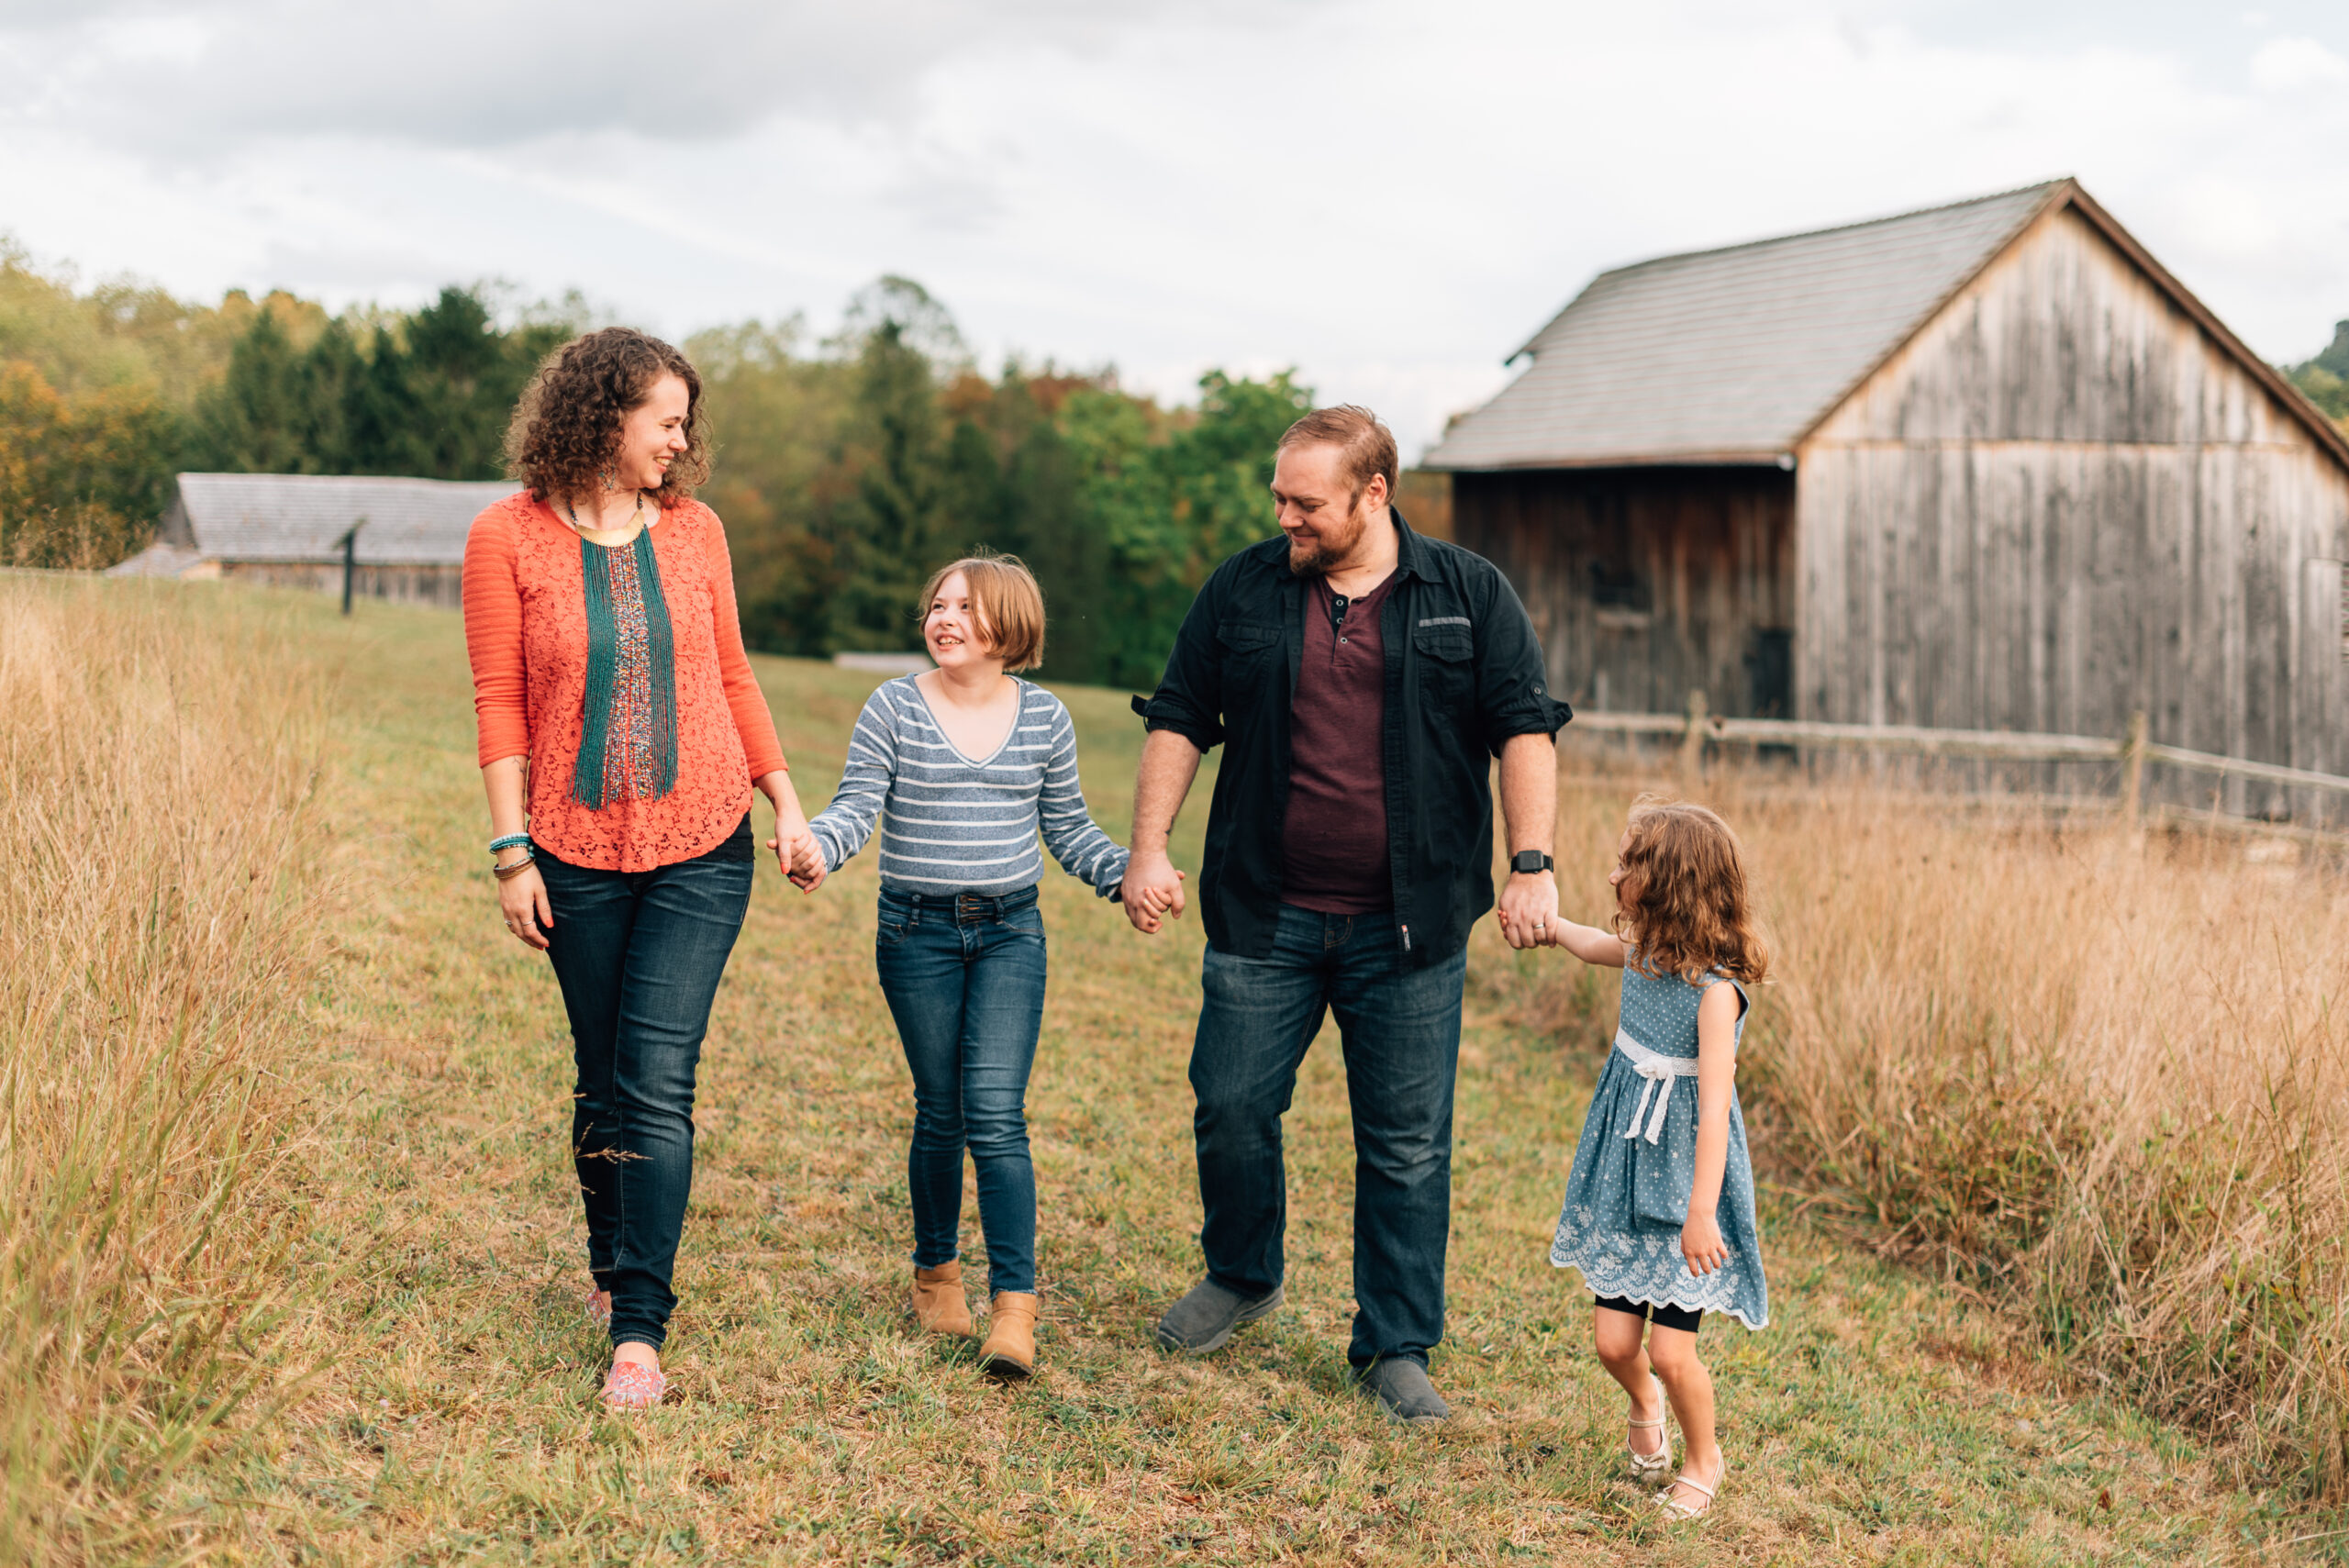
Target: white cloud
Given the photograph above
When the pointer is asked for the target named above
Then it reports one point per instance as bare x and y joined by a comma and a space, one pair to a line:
1388, 196
2296, 65
469, 74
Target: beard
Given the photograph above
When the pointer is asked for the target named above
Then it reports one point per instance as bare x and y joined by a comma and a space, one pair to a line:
1315, 558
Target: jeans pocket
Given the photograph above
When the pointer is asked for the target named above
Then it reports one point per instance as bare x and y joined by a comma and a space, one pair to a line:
893, 919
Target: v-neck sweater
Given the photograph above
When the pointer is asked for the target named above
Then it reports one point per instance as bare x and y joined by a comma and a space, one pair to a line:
526, 632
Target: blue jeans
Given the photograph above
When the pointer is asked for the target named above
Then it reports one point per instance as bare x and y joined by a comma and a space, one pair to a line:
964, 976
639, 955
1401, 1029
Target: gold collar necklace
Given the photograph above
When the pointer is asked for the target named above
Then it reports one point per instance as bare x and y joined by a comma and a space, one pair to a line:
578, 526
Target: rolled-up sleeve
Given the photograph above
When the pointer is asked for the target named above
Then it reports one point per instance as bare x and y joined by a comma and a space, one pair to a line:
1189, 699
1512, 685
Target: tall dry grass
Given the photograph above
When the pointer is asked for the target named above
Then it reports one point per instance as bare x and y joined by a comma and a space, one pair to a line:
2101, 1080
157, 931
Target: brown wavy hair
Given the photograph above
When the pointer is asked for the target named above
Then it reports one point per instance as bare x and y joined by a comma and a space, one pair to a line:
566, 428
1683, 903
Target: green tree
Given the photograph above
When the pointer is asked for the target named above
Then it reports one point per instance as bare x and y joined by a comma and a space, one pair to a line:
776, 423
385, 427
79, 483
891, 519
2326, 377
1171, 509
1012, 486
254, 420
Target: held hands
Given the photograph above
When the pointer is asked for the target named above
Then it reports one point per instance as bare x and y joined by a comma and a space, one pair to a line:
1529, 910
1701, 1244
799, 852
1153, 892
806, 869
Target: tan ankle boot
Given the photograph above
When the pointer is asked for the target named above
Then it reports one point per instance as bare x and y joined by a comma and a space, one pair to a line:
1010, 1347
938, 1304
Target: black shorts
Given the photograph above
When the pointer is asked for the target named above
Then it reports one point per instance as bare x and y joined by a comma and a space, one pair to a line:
1679, 1317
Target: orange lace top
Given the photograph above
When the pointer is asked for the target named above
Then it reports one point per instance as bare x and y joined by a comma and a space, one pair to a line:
526, 630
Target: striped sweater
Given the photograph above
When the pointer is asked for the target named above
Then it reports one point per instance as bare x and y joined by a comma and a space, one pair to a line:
952, 824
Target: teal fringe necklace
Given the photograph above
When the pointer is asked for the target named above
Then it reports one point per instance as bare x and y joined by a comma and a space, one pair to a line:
589, 784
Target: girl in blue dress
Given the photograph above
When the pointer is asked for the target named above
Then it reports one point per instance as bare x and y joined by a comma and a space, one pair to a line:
1659, 1210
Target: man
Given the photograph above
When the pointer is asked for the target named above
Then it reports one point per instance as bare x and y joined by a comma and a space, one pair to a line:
1357, 674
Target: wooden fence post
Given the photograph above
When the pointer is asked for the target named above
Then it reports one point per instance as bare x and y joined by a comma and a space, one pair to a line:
1692, 741
2132, 769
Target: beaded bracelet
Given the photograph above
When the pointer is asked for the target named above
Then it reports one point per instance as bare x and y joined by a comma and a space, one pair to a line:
511, 841
504, 873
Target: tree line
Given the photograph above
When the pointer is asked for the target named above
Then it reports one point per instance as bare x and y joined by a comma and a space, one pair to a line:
845, 469
2325, 378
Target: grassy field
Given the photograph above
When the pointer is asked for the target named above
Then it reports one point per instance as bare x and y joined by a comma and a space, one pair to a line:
342, 1325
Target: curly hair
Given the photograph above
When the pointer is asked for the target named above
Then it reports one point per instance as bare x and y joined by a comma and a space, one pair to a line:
1683, 900
566, 428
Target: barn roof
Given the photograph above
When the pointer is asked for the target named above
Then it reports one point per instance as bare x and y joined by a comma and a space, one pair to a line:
1730, 355
302, 516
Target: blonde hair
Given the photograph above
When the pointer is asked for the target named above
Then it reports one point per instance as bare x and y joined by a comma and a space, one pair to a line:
1009, 603
1683, 900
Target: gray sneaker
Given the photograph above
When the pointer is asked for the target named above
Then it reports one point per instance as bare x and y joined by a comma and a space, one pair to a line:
1204, 1319
1401, 1387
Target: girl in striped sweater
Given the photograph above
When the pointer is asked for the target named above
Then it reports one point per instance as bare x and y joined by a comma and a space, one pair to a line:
961, 767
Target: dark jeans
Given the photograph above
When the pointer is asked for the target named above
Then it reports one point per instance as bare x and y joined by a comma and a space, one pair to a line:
1401, 1029
965, 977
639, 955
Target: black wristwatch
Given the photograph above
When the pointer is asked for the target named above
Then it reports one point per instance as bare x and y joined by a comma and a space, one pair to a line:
1530, 862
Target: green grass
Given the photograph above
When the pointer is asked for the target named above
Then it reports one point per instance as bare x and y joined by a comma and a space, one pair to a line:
447, 1410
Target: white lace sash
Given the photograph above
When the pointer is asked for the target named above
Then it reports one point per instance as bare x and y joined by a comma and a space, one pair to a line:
1659, 1070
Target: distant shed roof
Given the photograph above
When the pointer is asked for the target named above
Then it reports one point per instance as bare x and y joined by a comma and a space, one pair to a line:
302, 516
1732, 355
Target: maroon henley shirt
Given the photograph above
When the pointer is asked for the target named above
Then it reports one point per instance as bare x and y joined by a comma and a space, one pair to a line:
1334, 851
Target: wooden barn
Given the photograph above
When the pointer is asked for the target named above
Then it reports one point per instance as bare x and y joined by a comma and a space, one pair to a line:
287, 530
1984, 467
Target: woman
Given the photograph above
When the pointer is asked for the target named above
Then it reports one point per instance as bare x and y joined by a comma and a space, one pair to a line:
967, 764
621, 735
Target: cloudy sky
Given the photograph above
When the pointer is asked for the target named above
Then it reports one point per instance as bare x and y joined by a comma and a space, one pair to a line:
1388, 196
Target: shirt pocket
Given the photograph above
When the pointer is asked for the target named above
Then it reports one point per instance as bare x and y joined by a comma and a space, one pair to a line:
1245, 648
1447, 658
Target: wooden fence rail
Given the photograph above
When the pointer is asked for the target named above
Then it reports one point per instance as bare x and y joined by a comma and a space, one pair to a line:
2132, 750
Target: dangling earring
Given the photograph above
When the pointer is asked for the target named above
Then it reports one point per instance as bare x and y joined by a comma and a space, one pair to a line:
606, 475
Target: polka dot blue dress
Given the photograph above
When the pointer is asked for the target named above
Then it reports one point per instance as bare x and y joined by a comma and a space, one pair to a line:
1628, 1194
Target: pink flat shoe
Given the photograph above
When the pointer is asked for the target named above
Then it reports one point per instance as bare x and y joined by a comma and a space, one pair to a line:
631, 1386
599, 1307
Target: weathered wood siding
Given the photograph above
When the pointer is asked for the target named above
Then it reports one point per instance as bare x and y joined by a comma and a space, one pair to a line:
440, 585
1645, 584
2062, 502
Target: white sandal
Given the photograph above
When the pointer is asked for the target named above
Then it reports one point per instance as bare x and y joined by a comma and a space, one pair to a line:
1673, 1509
1649, 1469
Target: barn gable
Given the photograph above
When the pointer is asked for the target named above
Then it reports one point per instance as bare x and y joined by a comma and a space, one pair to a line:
2071, 496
